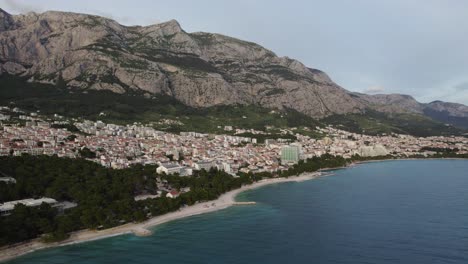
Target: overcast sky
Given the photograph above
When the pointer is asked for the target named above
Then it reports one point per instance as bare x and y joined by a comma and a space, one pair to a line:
416, 47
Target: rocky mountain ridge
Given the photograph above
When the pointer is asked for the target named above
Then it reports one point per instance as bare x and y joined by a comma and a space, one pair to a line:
199, 69
450, 113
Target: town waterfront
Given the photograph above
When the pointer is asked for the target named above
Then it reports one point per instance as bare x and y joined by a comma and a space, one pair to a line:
412, 211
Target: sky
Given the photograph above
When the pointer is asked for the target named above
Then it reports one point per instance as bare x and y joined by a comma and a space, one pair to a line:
415, 47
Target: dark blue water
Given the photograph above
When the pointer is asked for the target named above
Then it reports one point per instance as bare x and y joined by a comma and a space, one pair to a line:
387, 212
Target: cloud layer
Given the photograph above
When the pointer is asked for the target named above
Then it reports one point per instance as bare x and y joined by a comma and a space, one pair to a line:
374, 90
22, 7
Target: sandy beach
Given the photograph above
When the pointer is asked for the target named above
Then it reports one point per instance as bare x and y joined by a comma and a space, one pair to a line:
141, 229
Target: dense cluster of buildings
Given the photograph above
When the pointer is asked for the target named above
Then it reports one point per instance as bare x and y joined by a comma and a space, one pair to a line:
342, 143
120, 146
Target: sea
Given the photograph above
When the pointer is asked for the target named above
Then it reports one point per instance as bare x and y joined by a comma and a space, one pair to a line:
408, 211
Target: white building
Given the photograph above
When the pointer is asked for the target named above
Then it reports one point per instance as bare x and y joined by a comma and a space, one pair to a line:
206, 165
7, 208
169, 168
7, 180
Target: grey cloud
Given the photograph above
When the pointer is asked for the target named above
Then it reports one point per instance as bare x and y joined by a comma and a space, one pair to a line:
462, 86
120, 19
19, 7
375, 89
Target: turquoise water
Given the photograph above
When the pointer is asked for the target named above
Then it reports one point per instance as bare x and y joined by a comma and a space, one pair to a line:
387, 212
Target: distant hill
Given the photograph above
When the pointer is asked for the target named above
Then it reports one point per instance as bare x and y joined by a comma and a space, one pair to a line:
447, 113
450, 113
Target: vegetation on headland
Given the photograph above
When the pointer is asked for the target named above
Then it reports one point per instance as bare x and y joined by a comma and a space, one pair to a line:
105, 196
443, 150
87, 153
70, 127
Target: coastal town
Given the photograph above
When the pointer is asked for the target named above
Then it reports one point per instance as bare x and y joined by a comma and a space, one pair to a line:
121, 146
233, 132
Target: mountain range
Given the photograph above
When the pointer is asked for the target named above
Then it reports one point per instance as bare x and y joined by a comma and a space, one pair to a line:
87, 52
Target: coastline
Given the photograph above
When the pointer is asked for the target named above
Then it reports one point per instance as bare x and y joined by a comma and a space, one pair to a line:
141, 229
399, 159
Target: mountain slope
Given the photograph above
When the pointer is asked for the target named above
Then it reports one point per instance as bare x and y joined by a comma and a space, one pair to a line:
447, 113
391, 103
198, 69
451, 113
85, 52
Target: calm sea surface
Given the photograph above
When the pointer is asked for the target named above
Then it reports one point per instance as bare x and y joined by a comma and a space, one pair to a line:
386, 212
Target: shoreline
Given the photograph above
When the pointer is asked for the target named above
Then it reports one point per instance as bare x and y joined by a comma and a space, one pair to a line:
224, 201
403, 159
141, 229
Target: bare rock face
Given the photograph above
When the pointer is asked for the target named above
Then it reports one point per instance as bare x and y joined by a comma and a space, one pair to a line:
210, 89
13, 68
6, 21
449, 113
199, 69
452, 109
116, 88
393, 103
